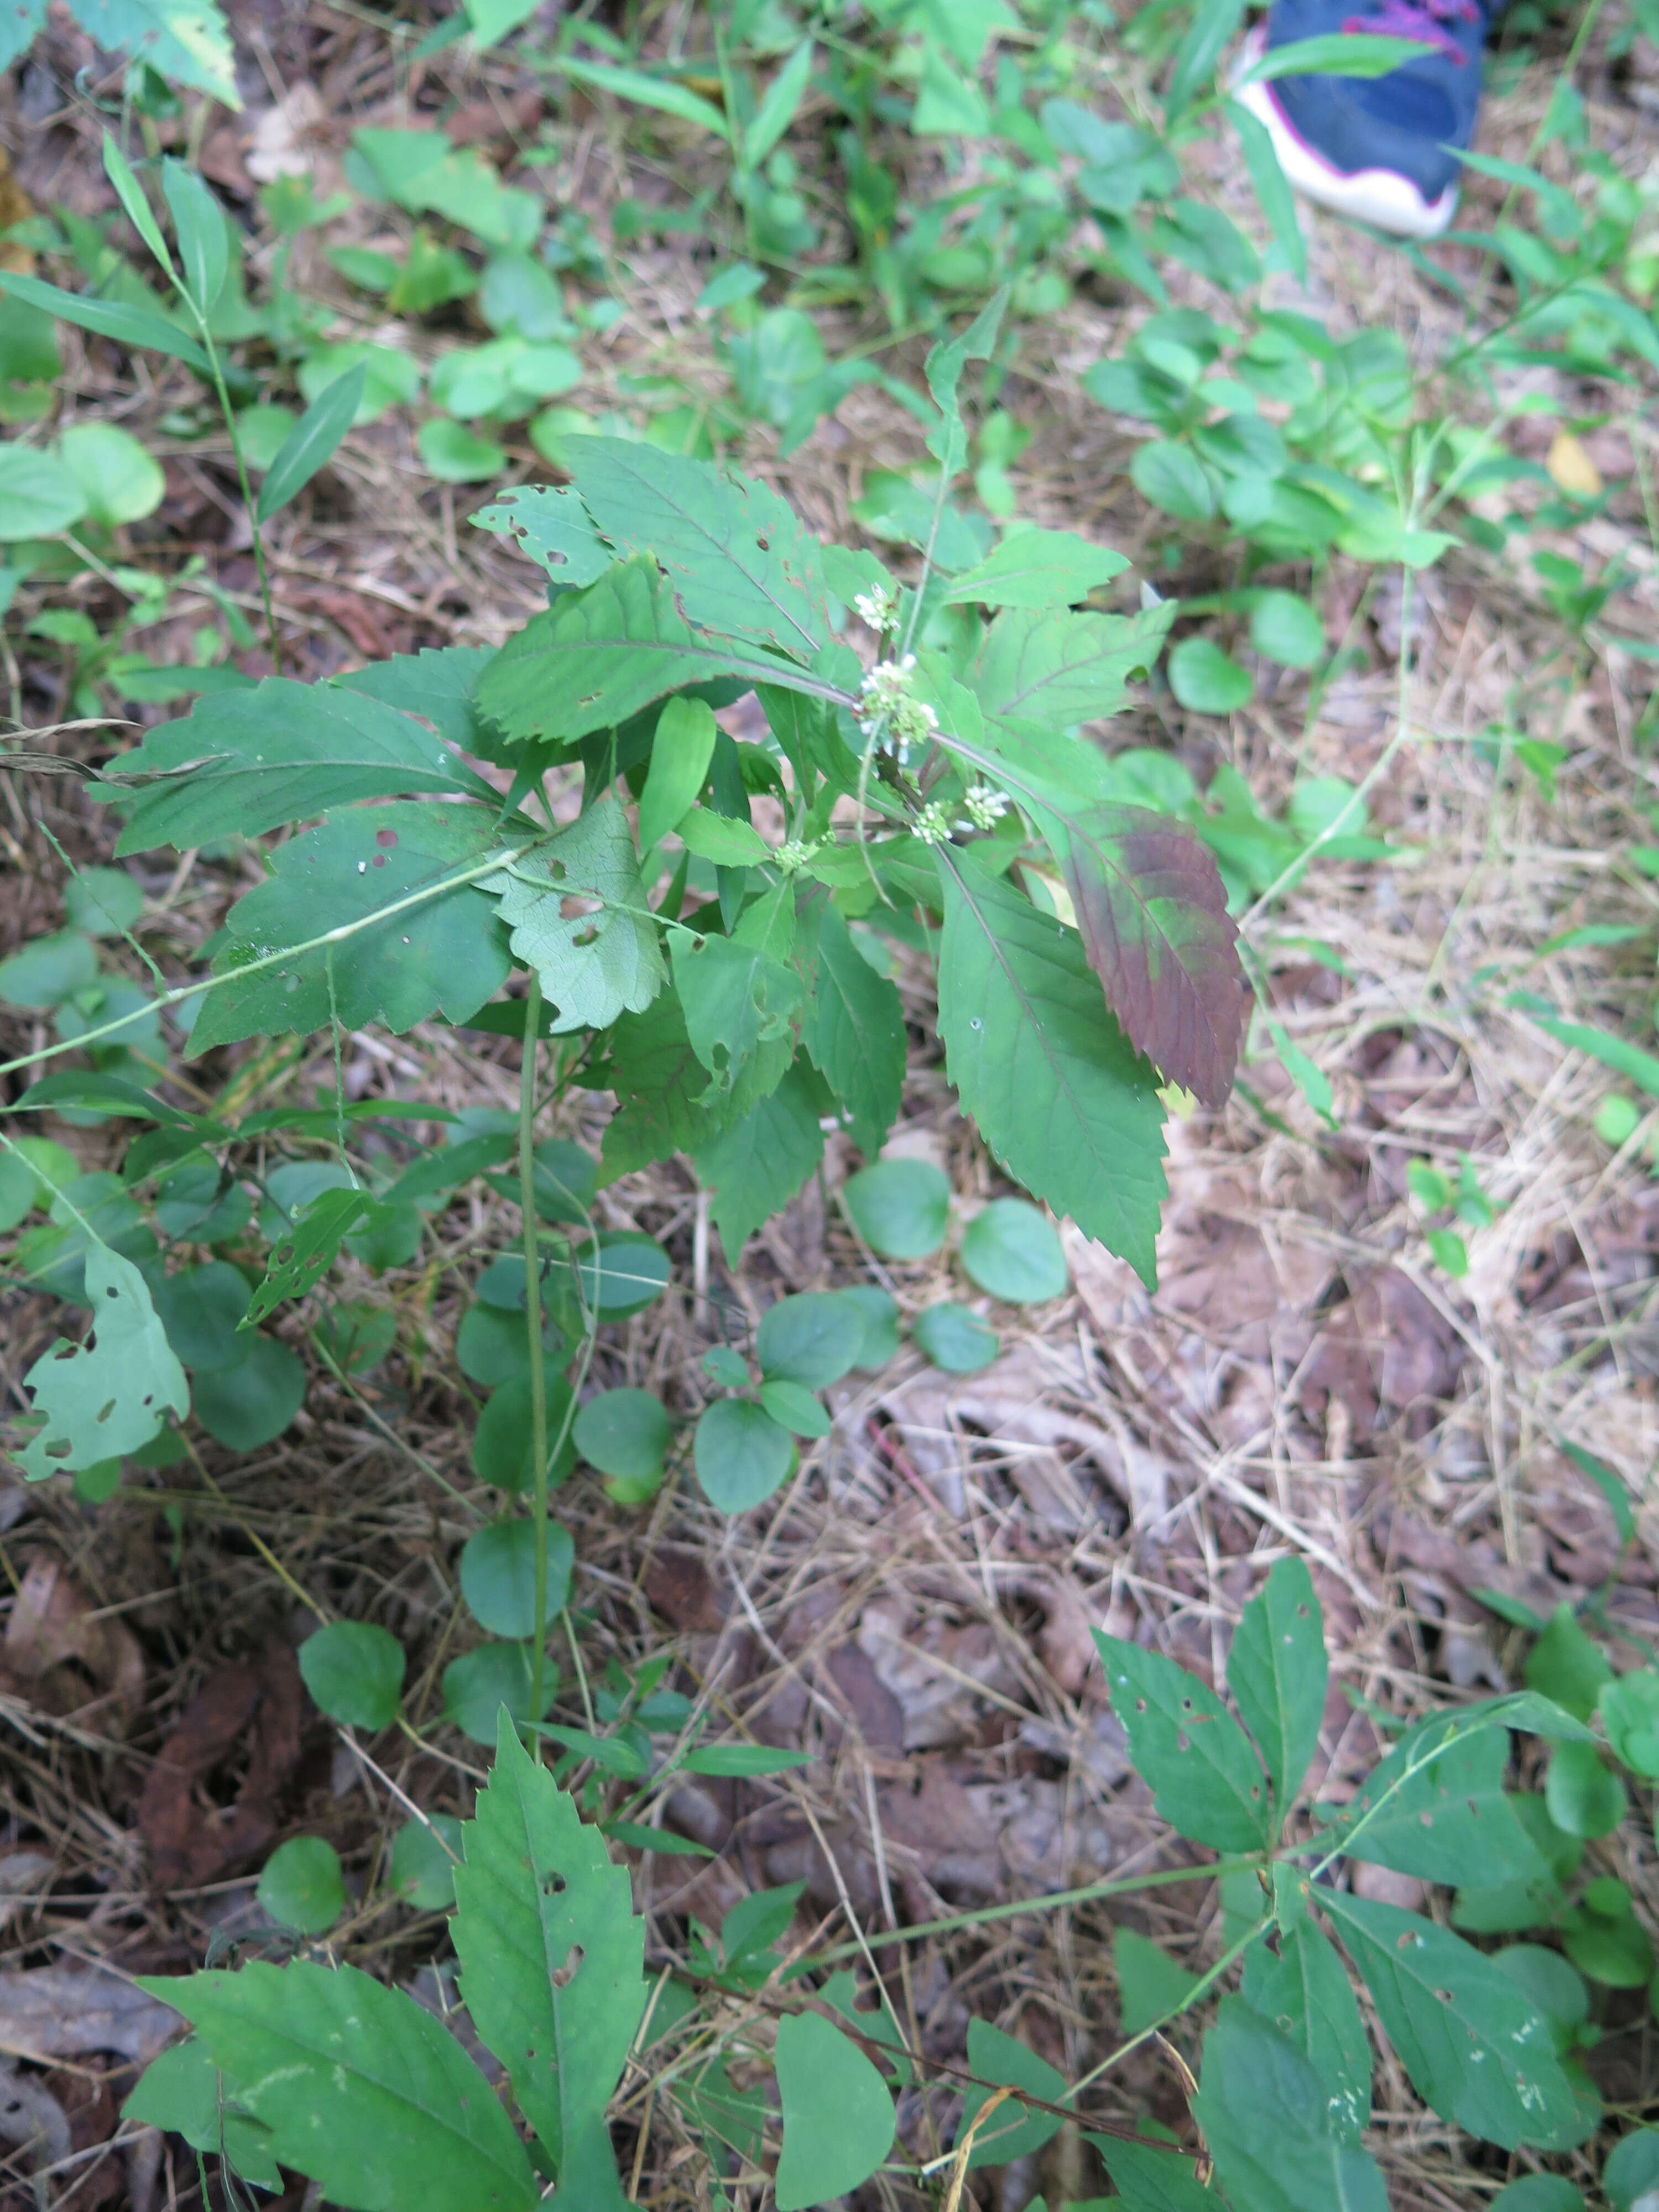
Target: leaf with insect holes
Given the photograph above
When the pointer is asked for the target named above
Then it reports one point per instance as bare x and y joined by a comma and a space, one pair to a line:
1307, 1995
1277, 1672
1058, 1094
1476, 2047
539, 1890
1437, 1807
363, 2090
604, 654
852, 1027
112, 1393
738, 1005
755, 1166
737, 561
1205, 1778
303, 1255
596, 964
187, 41
1044, 665
1264, 2116
282, 752
550, 525
447, 954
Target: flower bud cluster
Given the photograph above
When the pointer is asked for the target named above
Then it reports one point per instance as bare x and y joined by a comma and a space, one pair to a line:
878, 608
891, 708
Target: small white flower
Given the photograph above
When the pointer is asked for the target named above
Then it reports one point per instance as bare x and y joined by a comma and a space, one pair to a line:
878, 608
933, 824
985, 805
891, 707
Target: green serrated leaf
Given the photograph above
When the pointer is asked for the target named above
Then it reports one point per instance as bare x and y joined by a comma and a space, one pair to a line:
282, 752
1057, 1093
738, 1005
538, 1885
362, 2089
1306, 1994
183, 2091
1205, 1778
1277, 1672
186, 40
852, 1027
661, 1086
446, 954
736, 559
593, 966
604, 655
1477, 2049
438, 684
1040, 665
756, 1165
1037, 569
1264, 2113
552, 526
303, 1255
111, 1394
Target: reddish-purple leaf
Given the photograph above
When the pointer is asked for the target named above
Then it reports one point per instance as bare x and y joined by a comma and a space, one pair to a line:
1153, 916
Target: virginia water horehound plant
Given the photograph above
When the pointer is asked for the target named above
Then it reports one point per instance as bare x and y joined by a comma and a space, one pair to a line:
702, 927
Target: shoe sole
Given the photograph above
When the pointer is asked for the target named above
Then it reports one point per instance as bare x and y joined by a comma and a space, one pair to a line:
1381, 197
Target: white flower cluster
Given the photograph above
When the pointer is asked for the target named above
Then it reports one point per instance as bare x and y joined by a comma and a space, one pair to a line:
985, 805
933, 824
891, 707
793, 857
877, 607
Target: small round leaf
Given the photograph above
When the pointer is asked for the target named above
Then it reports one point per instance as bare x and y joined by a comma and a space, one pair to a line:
1173, 478
838, 2118
301, 1887
117, 479
498, 1575
955, 1338
812, 1339
1630, 1714
792, 1406
1584, 1797
421, 1871
103, 901
1013, 1251
900, 1207
742, 1455
455, 454
1538, 2192
1205, 680
624, 1433
477, 1686
251, 1404
1286, 628
503, 1447
355, 1673
199, 1308
1631, 2170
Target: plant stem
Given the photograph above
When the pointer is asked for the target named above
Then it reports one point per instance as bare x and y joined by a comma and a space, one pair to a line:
532, 1316
226, 410
1052, 1903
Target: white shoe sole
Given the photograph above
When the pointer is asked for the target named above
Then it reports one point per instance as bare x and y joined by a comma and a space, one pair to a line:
1379, 196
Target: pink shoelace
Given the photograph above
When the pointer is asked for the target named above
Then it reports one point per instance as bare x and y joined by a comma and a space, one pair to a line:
1423, 20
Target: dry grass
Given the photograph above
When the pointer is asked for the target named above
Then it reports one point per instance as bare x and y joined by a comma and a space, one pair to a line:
915, 1608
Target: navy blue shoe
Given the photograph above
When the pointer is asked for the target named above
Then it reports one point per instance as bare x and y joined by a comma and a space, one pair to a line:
1382, 150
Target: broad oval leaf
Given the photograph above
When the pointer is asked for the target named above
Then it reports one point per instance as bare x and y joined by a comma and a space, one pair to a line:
1058, 1094
362, 2089
538, 1887
1476, 2047
1205, 1780
355, 1673
813, 1338
838, 2118
741, 1454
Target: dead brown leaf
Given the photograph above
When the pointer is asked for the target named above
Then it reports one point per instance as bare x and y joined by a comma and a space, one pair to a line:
64, 1658
244, 1710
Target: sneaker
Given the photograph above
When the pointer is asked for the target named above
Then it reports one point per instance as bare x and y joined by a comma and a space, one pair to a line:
1380, 149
